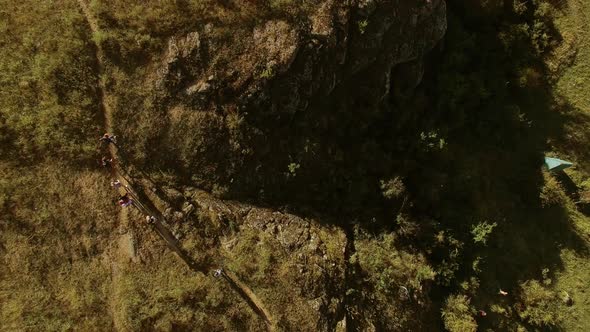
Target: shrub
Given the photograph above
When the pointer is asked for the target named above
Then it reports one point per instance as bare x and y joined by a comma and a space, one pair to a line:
393, 188
406, 225
389, 268
458, 315
268, 72
538, 304
450, 252
293, 167
481, 231
363, 26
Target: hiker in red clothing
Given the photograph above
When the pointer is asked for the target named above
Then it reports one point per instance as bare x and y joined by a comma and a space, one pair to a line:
125, 201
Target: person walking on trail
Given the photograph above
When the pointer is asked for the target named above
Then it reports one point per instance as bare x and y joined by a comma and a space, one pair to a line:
150, 219
107, 138
106, 162
125, 201
218, 273
116, 184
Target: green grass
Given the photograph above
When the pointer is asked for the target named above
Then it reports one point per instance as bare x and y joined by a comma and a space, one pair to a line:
56, 215
572, 61
166, 295
573, 23
47, 100
55, 224
573, 85
574, 280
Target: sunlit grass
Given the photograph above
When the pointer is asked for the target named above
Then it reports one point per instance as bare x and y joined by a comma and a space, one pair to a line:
573, 85
573, 24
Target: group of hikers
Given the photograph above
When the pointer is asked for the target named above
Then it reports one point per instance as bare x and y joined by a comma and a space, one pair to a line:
125, 199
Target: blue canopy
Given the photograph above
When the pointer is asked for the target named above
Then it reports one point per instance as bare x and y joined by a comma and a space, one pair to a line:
554, 164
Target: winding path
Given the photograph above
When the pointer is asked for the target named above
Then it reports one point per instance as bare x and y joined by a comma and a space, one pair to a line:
148, 208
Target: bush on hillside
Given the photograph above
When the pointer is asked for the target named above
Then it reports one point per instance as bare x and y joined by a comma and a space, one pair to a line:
457, 314
538, 304
393, 188
482, 231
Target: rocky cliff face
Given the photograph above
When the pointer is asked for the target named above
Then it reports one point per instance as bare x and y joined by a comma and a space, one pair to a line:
259, 98
338, 41
285, 112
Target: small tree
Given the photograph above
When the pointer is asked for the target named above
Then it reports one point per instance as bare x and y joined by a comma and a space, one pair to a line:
393, 188
457, 314
481, 231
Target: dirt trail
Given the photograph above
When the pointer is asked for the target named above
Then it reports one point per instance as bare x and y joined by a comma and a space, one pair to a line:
123, 249
125, 246
245, 292
250, 298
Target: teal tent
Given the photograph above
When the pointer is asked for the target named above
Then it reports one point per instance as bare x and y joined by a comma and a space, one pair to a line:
554, 164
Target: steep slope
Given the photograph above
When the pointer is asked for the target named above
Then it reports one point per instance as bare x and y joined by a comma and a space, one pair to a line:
196, 112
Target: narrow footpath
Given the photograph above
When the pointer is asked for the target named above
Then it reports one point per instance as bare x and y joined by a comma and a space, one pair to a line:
251, 298
115, 253
145, 207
